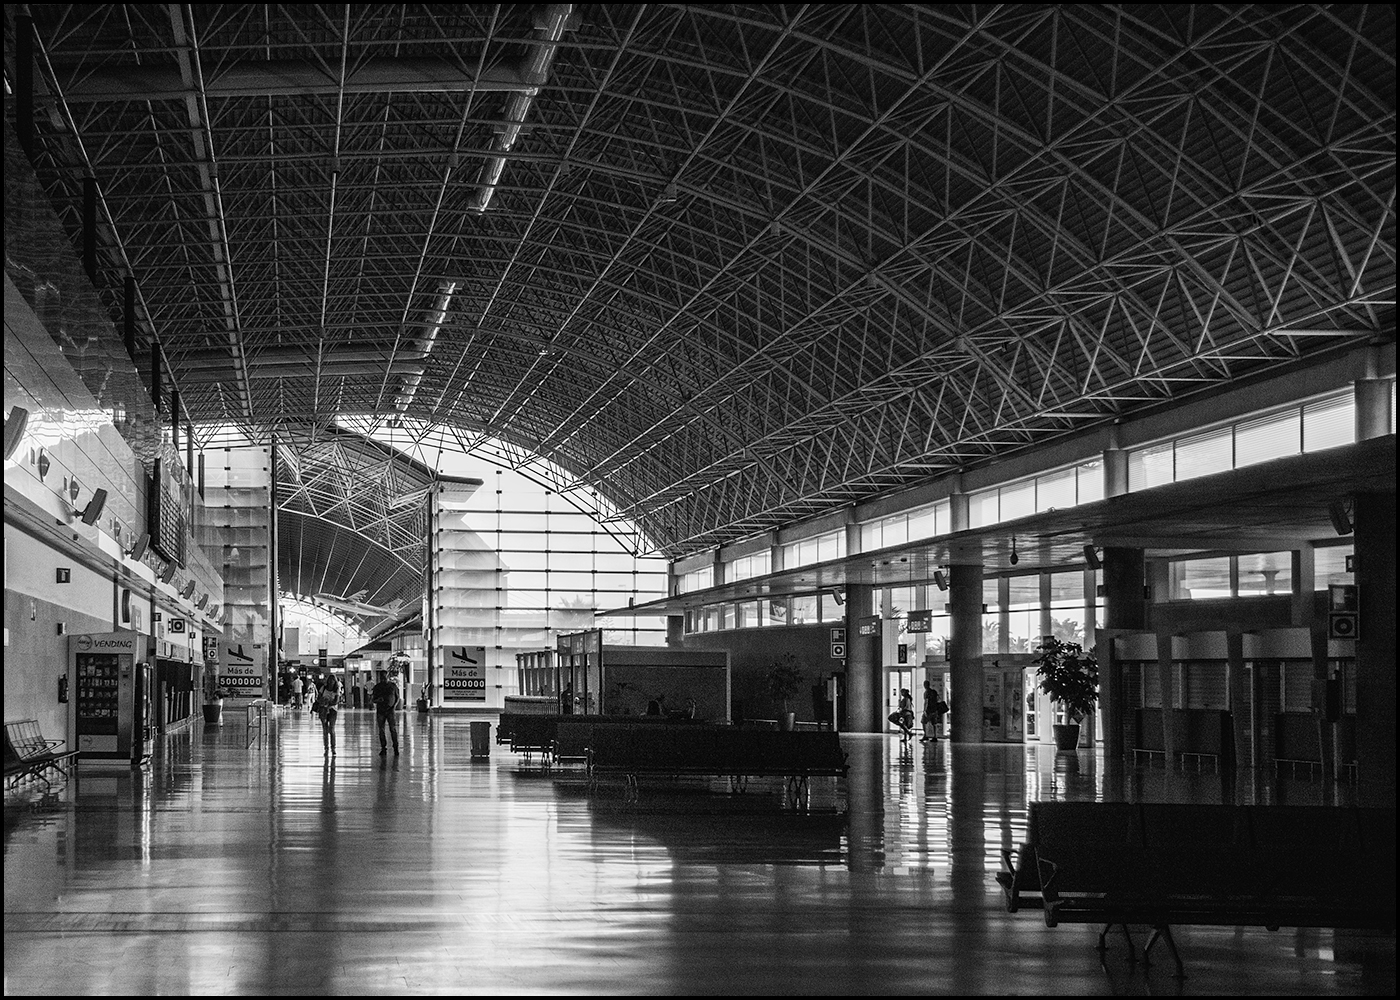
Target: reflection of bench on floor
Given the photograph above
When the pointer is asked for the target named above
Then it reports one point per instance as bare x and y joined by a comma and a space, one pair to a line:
29, 755
1164, 864
634, 752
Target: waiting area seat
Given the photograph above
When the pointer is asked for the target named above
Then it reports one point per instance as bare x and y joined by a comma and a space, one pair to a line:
1165, 864
30, 756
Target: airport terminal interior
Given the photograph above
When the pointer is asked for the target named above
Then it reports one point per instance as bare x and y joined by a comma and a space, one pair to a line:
699, 499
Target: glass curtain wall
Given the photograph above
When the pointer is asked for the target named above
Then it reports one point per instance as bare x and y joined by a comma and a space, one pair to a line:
551, 568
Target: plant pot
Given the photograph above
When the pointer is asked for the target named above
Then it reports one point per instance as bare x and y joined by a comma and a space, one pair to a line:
1066, 736
787, 721
214, 714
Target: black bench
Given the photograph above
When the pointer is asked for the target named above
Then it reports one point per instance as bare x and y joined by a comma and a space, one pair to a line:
638, 751
565, 738
1165, 864
29, 755
1094, 824
572, 739
531, 734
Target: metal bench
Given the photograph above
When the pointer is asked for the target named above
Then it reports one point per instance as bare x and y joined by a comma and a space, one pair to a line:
1165, 864
29, 755
634, 752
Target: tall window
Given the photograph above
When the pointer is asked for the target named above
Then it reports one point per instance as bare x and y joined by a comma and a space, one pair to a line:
748, 567
820, 548
1054, 490
1326, 422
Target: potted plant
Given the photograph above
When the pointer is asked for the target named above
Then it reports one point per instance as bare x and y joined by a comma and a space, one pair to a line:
214, 695
784, 681
1070, 676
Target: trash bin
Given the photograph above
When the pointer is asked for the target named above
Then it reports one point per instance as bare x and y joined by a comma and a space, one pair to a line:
481, 739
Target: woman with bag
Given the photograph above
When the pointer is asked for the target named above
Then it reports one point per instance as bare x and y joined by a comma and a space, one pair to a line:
904, 716
327, 708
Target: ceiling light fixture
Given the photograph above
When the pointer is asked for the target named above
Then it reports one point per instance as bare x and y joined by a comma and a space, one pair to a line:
1014, 557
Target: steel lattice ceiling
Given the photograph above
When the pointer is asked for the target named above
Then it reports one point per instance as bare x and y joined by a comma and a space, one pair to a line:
741, 264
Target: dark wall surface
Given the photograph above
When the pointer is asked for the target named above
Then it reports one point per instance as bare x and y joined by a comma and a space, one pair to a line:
751, 651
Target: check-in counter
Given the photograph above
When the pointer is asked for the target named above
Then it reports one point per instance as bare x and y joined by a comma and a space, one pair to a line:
1292, 710
1177, 697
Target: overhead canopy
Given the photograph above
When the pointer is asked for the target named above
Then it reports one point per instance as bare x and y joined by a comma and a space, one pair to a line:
730, 266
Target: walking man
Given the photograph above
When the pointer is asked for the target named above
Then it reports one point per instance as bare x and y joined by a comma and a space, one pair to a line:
387, 702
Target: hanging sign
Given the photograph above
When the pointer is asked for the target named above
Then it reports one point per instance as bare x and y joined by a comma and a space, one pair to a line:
920, 621
869, 625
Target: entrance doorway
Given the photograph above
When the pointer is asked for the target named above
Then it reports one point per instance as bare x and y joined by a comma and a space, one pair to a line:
895, 679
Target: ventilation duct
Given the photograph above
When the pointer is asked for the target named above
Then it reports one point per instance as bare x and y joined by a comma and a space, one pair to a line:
552, 23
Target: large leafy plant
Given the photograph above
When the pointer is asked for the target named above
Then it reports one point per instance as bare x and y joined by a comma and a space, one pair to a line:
1069, 675
784, 679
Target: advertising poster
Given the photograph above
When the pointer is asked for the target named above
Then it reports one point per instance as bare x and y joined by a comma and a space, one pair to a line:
1011, 706
243, 670
991, 706
464, 673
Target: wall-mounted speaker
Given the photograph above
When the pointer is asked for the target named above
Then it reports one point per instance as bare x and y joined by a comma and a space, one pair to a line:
1091, 556
203, 600
1341, 519
168, 574
188, 592
940, 579
139, 549
93, 510
15, 424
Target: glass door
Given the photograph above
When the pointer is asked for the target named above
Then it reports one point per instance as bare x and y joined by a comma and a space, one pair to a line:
897, 679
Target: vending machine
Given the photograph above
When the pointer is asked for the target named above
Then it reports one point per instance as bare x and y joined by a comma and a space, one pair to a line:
111, 678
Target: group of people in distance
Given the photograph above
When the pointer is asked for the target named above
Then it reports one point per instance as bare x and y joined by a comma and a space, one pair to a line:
934, 710
324, 700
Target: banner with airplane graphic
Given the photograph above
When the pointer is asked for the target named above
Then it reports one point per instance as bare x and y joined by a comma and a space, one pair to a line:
243, 669
463, 673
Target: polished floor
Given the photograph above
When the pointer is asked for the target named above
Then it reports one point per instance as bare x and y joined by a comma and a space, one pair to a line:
267, 869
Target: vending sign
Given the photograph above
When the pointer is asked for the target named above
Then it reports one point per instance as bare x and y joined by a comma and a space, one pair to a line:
464, 673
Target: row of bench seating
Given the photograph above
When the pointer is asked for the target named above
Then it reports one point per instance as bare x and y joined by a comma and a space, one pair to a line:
530, 734
28, 755
637, 752
1159, 864
636, 747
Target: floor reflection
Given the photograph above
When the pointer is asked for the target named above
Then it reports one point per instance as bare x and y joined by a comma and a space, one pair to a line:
273, 869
